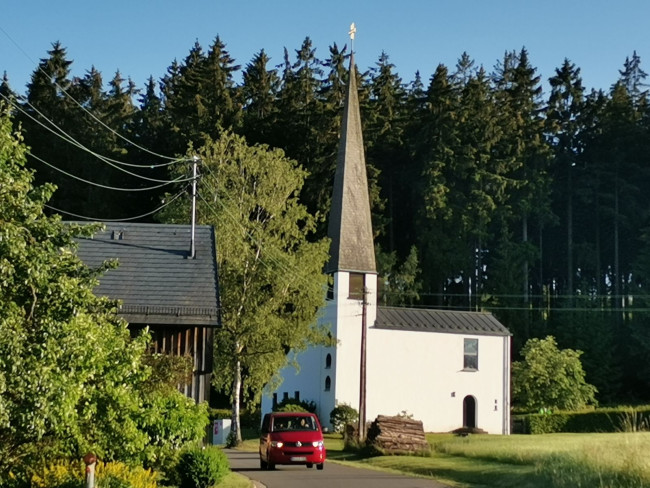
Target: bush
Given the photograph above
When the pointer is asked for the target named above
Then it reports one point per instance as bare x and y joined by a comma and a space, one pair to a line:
620, 419
107, 475
342, 415
201, 468
293, 405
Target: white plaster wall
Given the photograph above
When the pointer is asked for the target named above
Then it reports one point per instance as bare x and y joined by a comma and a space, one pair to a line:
419, 372
422, 373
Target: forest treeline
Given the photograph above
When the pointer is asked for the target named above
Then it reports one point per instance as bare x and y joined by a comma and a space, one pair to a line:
487, 193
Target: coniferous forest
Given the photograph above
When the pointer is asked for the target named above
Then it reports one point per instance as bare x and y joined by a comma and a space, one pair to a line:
489, 191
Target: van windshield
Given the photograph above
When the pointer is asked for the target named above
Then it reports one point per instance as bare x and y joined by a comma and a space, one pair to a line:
298, 422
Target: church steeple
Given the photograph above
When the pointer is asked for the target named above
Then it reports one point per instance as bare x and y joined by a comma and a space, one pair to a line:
350, 225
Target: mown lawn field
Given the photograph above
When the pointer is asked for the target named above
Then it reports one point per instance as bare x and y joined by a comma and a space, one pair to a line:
522, 461
552, 460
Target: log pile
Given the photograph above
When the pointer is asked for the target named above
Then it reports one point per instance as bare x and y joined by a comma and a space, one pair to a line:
395, 435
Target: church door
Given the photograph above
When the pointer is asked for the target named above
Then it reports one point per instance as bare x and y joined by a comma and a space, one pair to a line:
469, 412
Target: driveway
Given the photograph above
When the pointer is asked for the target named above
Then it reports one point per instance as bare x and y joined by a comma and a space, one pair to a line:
333, 476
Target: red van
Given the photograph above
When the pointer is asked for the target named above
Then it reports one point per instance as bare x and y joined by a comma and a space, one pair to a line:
291, 438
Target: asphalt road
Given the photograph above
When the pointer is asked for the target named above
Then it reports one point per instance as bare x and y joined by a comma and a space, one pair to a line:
333, 476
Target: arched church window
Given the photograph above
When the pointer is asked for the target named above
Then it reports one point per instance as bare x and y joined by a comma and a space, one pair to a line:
328, 383
328, 361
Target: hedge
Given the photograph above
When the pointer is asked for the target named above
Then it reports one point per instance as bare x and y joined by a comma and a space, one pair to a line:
619, 419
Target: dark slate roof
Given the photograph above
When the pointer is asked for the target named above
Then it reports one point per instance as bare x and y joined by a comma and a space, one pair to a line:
350, 227
156, 280
447, 321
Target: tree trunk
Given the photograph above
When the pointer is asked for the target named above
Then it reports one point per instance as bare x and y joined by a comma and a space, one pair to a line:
236, 394
569, 232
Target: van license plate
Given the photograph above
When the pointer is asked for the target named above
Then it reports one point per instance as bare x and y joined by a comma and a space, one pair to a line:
299, 458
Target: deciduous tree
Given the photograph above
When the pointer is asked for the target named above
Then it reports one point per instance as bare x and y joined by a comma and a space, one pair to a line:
550, 378
271, 280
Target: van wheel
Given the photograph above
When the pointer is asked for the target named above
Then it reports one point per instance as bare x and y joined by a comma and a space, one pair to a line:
320, 466
270, 466
309, 465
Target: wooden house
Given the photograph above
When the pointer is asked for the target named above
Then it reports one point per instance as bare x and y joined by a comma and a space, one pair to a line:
162, 286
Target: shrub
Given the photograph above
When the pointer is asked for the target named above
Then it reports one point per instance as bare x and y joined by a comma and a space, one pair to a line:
293, 405
60, 475
618, 419
107, 475
201, 468
342, 415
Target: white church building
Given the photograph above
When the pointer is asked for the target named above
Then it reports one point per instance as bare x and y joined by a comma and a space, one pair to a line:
448, 369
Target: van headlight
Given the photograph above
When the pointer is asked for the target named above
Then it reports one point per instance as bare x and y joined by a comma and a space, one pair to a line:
277, 443
318, 444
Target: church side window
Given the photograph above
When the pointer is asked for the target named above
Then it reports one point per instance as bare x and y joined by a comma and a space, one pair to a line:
470, 361
328, 383
328, 361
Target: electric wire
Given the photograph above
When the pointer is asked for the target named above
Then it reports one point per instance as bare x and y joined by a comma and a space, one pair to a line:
115, 164
148, 151
99, 184
126, 219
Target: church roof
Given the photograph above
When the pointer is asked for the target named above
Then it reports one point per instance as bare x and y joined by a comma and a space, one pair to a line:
447, 321
156, 280
350, 226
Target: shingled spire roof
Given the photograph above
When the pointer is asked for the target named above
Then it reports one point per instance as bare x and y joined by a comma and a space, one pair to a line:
350, 226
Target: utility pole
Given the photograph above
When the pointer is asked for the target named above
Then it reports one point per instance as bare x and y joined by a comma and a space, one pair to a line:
362, 368
192, 245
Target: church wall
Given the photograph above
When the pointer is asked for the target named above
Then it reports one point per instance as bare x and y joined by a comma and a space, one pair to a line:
422, 373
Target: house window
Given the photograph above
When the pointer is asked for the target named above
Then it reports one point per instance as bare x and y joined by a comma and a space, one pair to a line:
328, 361
356, 286
328, 383
470, 361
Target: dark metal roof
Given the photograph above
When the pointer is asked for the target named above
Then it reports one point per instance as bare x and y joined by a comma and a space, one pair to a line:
350, 227
156, 280
429, 320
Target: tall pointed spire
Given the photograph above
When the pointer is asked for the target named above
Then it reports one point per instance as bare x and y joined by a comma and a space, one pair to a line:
350, 225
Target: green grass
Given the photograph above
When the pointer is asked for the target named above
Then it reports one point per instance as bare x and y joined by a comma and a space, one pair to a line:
235, 480
554, 460
617, 460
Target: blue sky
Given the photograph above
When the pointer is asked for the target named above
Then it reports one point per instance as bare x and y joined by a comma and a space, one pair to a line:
142, 37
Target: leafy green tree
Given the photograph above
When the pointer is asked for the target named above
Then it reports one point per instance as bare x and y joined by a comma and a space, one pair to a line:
271, 280
548, 377
71, 377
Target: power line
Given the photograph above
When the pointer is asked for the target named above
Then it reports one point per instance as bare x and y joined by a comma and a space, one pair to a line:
162, 156
111, 162
99, 184
126, 219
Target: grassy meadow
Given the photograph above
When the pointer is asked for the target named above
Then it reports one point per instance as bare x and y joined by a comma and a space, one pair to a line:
551, 460
616, 460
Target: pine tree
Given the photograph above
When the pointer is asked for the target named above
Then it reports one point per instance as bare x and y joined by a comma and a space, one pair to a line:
259, 92
565, 125
435, 146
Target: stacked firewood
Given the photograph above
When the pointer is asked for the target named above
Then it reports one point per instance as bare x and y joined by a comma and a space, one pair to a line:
394, 435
